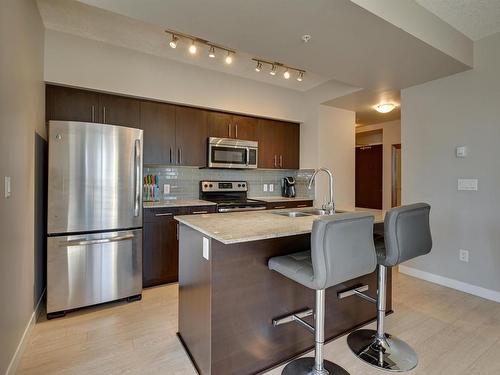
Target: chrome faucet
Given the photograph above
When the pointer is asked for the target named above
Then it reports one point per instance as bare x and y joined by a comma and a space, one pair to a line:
330, 205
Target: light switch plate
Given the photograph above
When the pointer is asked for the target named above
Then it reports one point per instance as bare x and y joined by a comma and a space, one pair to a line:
467, 184
7, 187
271, 187
461, 151
206, 248
166, 189
264, 187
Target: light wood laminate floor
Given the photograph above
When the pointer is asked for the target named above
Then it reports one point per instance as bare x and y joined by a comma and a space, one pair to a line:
453, 333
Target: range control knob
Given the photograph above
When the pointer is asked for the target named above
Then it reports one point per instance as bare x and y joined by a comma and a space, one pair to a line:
242, 185
210, 185
239, 185
206, 185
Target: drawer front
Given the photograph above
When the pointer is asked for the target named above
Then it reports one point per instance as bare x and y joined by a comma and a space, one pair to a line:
289, 204
155, 213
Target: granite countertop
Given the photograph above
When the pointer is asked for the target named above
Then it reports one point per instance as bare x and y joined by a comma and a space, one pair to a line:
281, 199
177, 203
236, 227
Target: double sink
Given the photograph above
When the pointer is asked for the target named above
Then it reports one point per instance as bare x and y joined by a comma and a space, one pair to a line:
311, 212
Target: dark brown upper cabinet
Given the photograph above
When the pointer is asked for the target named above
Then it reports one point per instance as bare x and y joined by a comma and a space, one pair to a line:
119, 110
68, 104
225, 125
191, 134
158, 122
278, 144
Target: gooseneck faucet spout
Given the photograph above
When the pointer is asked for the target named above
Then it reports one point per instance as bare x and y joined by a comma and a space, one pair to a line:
330, 205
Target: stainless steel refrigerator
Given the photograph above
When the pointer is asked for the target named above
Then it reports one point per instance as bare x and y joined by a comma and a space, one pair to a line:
94, 239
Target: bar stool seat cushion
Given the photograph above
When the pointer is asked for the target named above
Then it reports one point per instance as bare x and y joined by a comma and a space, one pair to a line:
297, 267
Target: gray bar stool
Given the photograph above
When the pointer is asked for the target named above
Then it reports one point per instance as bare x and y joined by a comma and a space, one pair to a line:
407, 235
341, 249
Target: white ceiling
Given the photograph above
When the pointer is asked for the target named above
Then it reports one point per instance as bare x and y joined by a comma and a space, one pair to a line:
349, 44
474, 18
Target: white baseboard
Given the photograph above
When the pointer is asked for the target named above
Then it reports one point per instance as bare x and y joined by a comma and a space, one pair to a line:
14, 362
492, 295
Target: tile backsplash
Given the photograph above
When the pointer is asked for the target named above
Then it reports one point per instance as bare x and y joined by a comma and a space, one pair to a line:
184, 181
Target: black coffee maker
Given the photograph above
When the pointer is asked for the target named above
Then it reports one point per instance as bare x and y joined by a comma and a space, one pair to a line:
288, 187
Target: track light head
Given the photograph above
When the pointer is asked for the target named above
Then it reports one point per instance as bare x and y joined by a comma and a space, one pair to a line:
192, 48
229, 58
273, 70
211, 53
286, 74
300, 77
173, 42
258, 68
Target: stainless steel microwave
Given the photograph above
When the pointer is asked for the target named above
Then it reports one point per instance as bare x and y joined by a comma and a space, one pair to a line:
232, 153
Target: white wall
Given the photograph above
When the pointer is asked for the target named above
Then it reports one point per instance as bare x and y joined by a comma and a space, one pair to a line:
391, 135
336, 152
436, 117
21, 116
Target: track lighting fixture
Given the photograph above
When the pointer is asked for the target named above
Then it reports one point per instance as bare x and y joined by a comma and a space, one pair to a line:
211, 53
196, 42
173, 42
192, 48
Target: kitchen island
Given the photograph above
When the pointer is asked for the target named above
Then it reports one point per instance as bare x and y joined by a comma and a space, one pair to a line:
228, 296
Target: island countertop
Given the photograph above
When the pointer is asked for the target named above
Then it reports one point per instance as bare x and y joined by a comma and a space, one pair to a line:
237, 227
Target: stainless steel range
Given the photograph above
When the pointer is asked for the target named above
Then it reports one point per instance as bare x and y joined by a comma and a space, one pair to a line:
230, 196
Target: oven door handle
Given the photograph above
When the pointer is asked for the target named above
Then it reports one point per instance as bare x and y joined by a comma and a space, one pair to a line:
241, 209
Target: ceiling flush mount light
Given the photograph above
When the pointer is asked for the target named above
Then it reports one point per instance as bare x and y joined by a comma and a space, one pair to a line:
273, 70
286, 74
229, 58
385, 107
192, 48
211, 53
173, 42
300, 77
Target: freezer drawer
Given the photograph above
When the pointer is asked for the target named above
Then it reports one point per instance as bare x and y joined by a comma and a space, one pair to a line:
88, 269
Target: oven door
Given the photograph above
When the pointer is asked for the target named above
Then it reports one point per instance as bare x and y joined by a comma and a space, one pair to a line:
230, 153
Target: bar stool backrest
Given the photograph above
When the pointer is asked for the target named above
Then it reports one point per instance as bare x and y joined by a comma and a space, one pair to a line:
342, 248
407, 234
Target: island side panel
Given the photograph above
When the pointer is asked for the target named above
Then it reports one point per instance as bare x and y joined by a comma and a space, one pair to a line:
194, 298
246, 296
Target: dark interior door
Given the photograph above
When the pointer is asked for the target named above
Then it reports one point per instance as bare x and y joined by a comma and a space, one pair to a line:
369, 177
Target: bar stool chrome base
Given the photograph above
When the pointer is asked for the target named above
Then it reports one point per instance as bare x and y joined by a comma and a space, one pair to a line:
391, 354
305, 366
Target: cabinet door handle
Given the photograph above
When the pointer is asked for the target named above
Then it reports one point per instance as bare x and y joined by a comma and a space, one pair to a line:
178, 156
275, 161
301, 205
281, 161
103, 115
278, 207
164, 214
229, 130
170, 151
236, 131
199, 212
92, 113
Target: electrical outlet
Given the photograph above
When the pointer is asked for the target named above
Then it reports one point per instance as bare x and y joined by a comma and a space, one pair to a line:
7, 187
463, 255
271, 187
166, 189
264, 187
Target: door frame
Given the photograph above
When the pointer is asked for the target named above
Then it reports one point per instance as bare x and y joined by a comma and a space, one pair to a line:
394, 200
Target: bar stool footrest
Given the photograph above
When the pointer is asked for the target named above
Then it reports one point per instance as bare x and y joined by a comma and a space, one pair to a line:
305, 366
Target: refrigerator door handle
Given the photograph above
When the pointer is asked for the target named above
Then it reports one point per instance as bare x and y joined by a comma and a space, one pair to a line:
96, 242
137, 166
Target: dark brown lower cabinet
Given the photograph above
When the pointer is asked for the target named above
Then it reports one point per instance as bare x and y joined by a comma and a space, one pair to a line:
160, 250
289, 204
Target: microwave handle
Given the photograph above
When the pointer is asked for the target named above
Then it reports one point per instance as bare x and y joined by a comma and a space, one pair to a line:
248, 156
